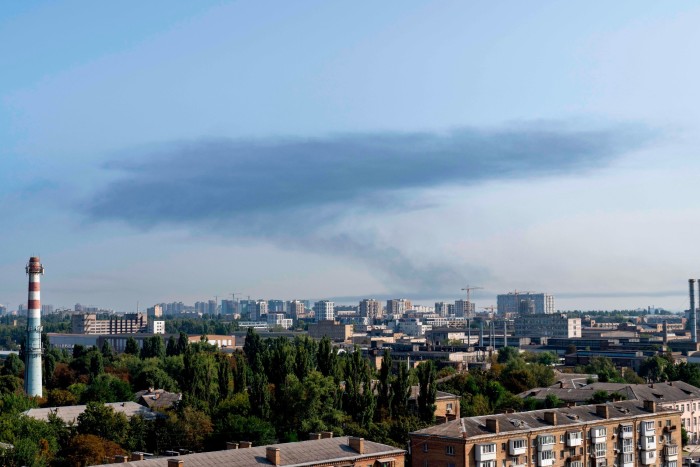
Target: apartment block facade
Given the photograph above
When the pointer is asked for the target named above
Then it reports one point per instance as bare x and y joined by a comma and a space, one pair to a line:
547, 325
525, 302
622, 434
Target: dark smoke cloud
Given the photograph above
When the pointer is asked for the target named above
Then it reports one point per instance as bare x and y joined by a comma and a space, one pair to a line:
265, 187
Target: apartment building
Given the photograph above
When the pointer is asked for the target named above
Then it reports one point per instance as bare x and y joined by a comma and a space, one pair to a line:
525, 302
370, 308
398, 306
324, 311
622, 434
129, 323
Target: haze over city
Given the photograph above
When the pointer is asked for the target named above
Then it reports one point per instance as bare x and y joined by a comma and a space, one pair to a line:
167, 151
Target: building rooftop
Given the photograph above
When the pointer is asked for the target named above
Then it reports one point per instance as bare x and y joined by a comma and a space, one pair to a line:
524, 422
302, 453
674, 391
158, 398
70, 413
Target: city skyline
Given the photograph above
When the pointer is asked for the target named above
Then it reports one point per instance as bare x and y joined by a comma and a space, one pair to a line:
356, 151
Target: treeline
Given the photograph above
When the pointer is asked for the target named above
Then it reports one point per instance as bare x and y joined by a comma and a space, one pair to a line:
274, 390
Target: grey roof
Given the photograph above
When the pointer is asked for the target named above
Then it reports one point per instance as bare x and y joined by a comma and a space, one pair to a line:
70, 413
524, 422
572, 380
158, 399
661, 392
301, 453
675, 391
439, 395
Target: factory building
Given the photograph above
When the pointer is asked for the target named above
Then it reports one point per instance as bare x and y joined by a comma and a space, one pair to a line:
547, 325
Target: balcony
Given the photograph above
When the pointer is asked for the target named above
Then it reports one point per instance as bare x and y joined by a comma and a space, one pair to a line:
598, 434
574, 438
671, 452
647, 457
646, 428
648, 443
545, 458
626, 431
485, 452
545, 442
517, 447
627, 460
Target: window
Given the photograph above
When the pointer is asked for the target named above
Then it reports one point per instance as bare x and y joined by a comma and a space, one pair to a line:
576, 464
449, 406
651, 439
561, 438
503, 446
485, 448
668, 422
518, 443
624, 429
628, 458
672, 464
546, 439
600, 449
425, 447
561, 454
450, 450
546, 455
627, 445
450, 464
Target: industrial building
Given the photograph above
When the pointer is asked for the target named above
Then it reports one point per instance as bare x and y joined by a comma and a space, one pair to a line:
129, 323
623, 434
547, 325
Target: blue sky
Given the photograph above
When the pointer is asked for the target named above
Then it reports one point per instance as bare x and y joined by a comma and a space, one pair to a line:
157, 151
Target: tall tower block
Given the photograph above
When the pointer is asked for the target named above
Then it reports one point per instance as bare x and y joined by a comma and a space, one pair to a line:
32, 350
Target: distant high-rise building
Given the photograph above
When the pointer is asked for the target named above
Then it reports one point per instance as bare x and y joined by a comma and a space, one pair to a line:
512, 303
323, 310
296, 309
370, 308
156, 311
257, 310
212, 307
442, 309
276, 306
228, 307
464, 309
398, 306
46, 309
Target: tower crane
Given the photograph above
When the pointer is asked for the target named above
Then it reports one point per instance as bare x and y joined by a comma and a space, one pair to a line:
469, 288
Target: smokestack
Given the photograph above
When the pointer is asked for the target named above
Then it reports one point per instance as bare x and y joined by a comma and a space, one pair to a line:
693, 323
505, 333
32, 375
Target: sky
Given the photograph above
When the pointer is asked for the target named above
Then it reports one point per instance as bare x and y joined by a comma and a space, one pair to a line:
180, 151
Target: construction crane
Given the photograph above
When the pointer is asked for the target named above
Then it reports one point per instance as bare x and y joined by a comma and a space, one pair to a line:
490, 309
469, 288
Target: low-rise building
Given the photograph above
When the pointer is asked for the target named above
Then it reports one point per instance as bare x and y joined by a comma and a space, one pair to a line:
129, 323
624, 434
327, 451
70, 413
335, 331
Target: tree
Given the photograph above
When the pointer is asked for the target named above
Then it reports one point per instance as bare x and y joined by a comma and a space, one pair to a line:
401, 390
101, 420
96, 365
427, 391
88, 449
224, 375
385, 377
107, 351
171, 348
183, 343
13, 366
132, 347
506, 354
552, 401
359, 400
327, 358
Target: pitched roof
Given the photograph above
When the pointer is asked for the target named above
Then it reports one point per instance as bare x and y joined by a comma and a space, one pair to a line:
158, 398
70, 413
474, 427
301, 453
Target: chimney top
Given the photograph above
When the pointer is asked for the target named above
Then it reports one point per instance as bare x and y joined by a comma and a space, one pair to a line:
602, 411
357, 444
245, 444
550, 417
492, 425
650, 406
175, 463
273, 455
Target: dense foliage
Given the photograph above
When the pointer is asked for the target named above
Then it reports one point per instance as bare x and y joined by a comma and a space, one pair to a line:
274, 390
